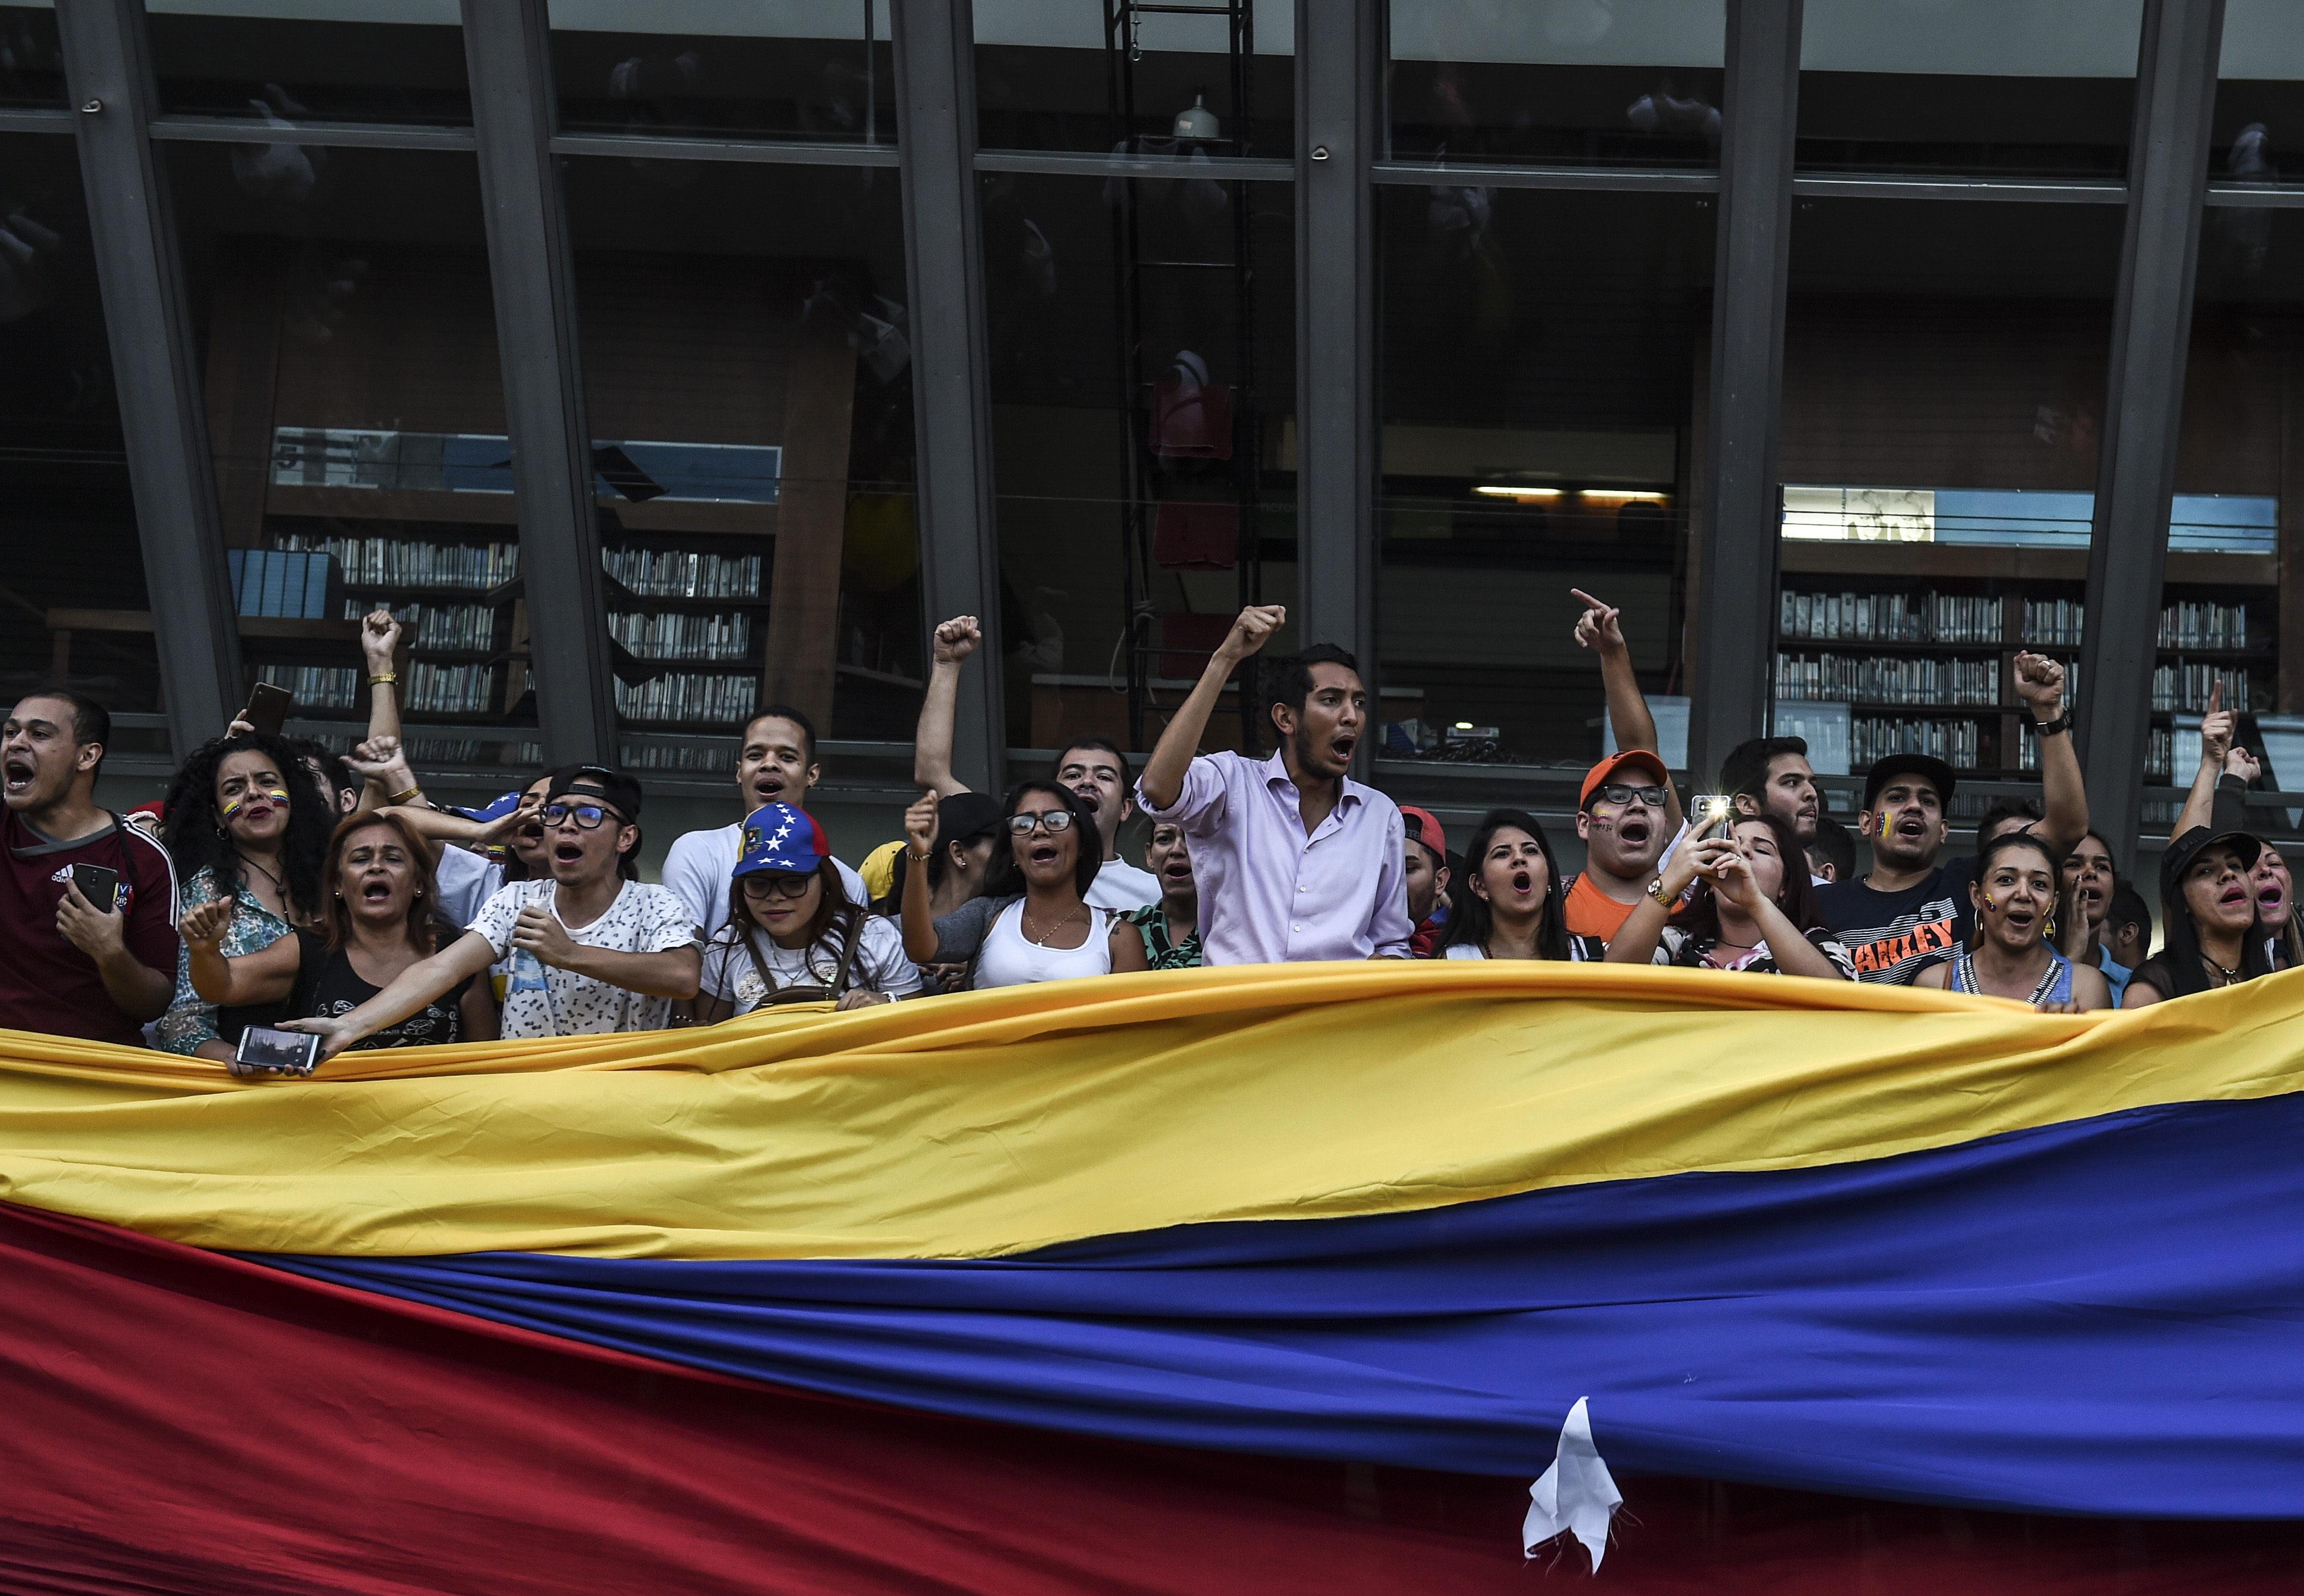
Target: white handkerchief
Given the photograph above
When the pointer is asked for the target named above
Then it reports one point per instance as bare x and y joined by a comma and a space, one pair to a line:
1576, 1494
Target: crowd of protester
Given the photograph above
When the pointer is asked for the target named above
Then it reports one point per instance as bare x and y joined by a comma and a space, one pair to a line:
280, 887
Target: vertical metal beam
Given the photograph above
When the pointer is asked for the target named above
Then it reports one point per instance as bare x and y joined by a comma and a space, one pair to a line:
2151, 337
943, 274
1735, 601
147, 323
508, 56
1339, 49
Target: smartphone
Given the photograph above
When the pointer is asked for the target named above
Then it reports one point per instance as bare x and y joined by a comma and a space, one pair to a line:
267, 708
263, 1051
1715, 811
100, 884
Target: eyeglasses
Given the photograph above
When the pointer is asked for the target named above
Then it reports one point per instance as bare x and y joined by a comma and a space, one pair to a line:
1053, 820
763, 884
588, 816
1616, 792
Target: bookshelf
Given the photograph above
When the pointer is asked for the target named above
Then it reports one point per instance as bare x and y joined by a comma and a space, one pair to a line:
1920, 639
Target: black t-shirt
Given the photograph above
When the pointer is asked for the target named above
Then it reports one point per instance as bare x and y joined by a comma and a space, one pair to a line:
1892, 935
326, 986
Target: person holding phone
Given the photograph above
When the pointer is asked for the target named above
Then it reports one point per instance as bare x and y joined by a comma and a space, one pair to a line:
378, 920
72, 964
588, 950
248, 831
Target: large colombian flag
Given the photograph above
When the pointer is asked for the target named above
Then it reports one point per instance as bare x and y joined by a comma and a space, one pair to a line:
1267, 1279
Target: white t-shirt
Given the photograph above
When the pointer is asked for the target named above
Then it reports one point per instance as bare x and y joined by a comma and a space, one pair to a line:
1009, 959
880, 965
699, 865
466, 882
1119, 885
542, 1000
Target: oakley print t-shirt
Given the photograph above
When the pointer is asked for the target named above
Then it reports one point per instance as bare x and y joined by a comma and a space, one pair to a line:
1892, 935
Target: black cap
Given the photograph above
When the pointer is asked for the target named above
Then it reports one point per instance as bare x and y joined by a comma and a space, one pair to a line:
2198, 840
1934, 771
612, 787
963, 815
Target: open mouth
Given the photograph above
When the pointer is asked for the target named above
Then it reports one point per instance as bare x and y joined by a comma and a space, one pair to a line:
2268, 896
18, 771
1633, 828
1042, 853
1341, 748
2234, 896
1086, 795
1178, 873
567, 853
2020, 920
768, 787
1523, 882
1911, 826
377, 892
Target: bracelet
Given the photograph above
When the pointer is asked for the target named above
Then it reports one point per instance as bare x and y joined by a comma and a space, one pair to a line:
2049, 728
382, 678
918, 858
413, 792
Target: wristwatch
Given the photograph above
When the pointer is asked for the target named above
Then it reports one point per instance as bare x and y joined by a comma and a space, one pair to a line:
2049, 728
1656, 891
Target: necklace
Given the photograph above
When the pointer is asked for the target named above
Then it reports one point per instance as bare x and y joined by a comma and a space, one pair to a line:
2232, 976
1042, 940
278, 886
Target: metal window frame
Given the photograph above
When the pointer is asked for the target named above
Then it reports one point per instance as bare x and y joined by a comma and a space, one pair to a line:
163, 428
1340, 52
508, 56
2143, 407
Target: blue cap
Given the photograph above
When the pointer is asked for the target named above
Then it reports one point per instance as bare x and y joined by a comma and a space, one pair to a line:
781, 839
496, 810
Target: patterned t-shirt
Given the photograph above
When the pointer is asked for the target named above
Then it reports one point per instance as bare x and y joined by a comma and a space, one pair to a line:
542, 1000
1891, 936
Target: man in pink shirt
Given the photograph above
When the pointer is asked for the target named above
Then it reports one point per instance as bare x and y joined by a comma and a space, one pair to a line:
1294, 860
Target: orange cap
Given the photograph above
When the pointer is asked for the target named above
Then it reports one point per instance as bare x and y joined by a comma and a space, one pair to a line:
1607, 767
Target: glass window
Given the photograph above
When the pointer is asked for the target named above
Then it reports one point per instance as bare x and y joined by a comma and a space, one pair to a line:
1543, 372
2259, 122
1143, 366
318, 60
819, 70
2230, 605
74, 595
748, 373
31, 62
355, 408
1943, 404
1563, 83
1081, 74
2000, 88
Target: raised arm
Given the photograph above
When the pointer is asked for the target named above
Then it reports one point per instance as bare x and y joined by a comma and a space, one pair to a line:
411, 990
379, 647
2216, 728
1162, 781
954, 642
1600, 628
920, 847
268, 975
2040, 684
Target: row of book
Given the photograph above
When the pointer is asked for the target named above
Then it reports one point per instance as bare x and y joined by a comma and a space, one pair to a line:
1887, 617
465, 626
1874, 679
658, 636
689, 696
435, 689
716, 759
2185, 687
2054, 623
1873, 737
2187, 625
412, 562
677, 573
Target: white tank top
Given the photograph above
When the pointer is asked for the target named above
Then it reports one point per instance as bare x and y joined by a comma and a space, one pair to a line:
1008, 959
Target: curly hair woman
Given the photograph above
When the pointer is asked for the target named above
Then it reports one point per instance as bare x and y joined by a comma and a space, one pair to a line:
245, 824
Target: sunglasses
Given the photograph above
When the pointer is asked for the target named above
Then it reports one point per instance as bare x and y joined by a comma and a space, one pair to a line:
588, 816
1052, 820
1616, 792
763, 884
